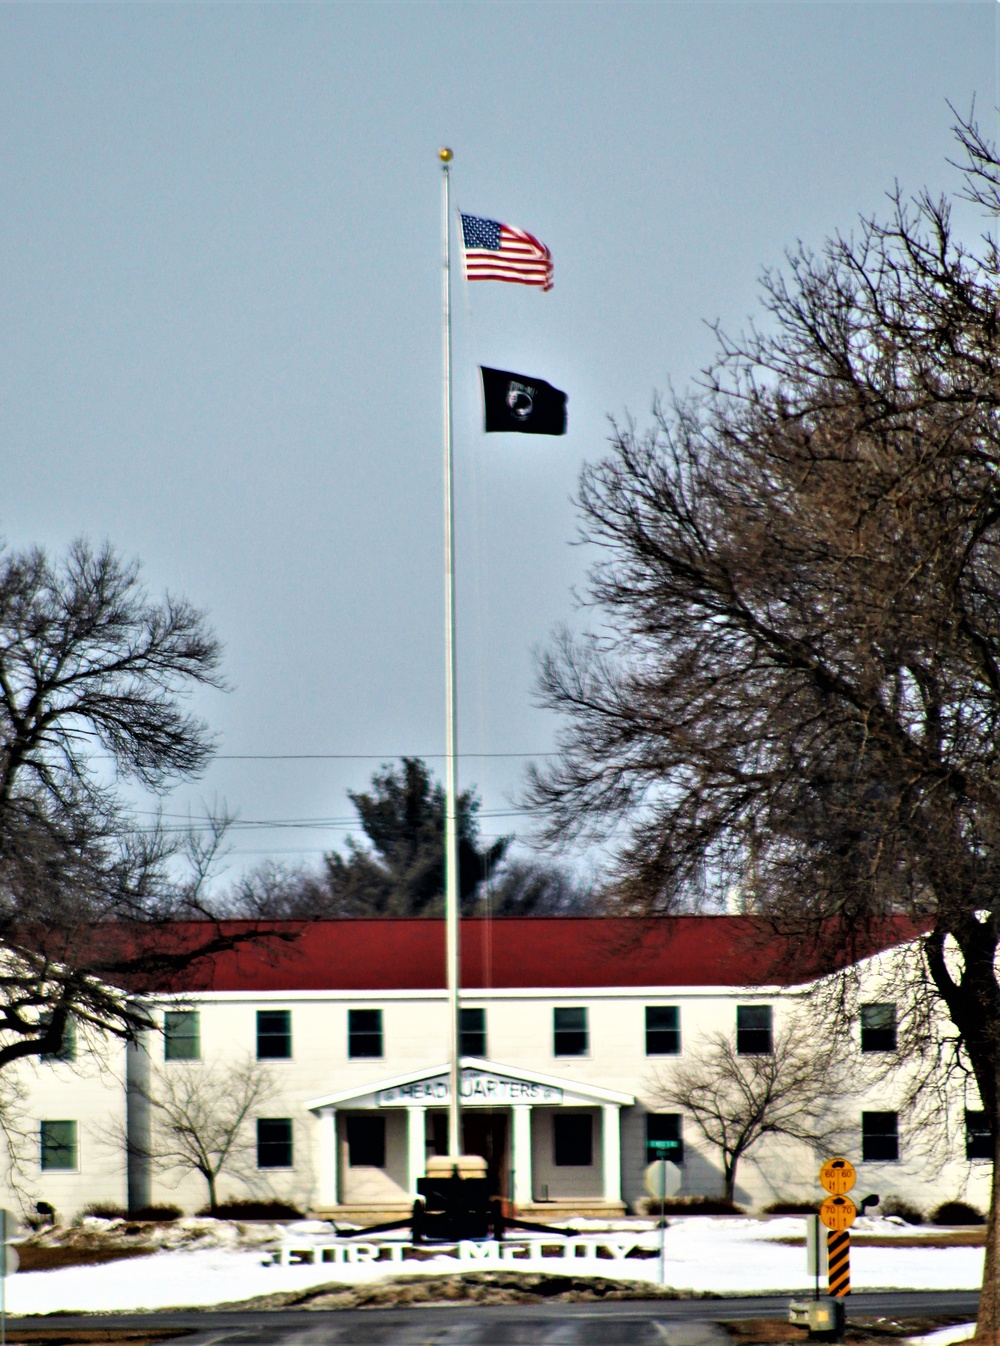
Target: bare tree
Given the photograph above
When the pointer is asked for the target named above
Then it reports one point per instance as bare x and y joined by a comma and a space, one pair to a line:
519, 887
93, 676
275, 891
737, 1099
200, 1119
18, 1140
796, 682
536, 887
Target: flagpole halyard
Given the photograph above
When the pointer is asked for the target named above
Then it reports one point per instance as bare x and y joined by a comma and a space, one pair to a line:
451, 719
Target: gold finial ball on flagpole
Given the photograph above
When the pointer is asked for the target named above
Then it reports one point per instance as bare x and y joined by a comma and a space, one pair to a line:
445, 155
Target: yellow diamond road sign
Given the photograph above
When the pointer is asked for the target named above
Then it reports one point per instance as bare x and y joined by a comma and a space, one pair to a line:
838, 1212
838, 1176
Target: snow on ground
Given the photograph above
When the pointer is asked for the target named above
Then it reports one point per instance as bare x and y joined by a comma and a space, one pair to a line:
727, 1255
945, 1336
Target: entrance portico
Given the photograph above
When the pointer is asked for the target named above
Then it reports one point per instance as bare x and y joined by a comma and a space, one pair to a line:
511, 1113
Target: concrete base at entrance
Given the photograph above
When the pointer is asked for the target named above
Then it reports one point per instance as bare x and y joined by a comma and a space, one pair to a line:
547, 1211
543, 1211
362, 1215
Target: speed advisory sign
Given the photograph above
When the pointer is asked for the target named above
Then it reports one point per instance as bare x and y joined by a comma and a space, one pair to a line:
838, 1212
837, 1176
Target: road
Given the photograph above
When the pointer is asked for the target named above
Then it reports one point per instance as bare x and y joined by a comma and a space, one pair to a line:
656, 1323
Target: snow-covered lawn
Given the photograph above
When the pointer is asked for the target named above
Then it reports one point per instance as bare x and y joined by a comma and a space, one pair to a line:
726, 1255
947, 1336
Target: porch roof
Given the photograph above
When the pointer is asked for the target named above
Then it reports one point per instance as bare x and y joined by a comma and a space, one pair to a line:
585, 1092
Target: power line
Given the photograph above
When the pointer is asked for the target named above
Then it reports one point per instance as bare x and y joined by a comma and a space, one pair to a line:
362, 756
181, 824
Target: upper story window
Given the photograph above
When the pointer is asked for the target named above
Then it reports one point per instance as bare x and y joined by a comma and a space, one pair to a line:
879, 1136
753, 1030
57, 1144
364, 1032
978, 1136
67, 1047
878, 1028
274, 1036
182, 1035
569, 1031
663, 1030
663, 1137
472, 1032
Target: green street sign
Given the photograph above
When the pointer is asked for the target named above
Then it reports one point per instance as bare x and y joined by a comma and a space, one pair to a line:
663, 1149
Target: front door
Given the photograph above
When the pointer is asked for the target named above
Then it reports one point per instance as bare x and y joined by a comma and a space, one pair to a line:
485, 1133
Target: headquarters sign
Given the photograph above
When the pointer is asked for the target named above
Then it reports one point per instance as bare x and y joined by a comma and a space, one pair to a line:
477, 1087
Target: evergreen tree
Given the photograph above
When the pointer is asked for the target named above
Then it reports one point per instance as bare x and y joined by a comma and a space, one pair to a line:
400, 871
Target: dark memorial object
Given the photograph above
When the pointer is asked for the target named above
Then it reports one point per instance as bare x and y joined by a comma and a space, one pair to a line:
521, 405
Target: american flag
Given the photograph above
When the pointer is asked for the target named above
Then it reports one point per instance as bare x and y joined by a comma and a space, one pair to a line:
495, 251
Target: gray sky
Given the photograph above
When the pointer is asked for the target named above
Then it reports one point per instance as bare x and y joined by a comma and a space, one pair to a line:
220, 309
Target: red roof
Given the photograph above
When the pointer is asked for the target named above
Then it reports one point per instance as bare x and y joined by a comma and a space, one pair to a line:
562, 951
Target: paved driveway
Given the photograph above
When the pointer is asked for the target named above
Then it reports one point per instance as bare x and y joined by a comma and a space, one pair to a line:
663, 1323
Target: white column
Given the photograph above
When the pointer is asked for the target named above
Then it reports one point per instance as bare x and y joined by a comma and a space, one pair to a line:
520, 1154
416, 1146
611, 1151
328, 1157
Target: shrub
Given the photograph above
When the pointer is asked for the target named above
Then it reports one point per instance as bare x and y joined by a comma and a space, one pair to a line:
957, 1212
105, 1210
253, 1210
156, 1214
895, 1205
792, 1208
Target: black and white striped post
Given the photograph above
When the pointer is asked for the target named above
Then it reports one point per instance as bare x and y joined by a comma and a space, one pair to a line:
838, 1212
838, 1243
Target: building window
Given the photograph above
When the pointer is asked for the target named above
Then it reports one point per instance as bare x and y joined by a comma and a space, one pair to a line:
663, 1030
753, 1030
879, 1136
181, 1036
364, 1033
663, 1137
878, 1028
366, 1142
569, 1032
573, 1139
274, 1142
978, 1136
472, 1031
274, 1035
67, 1047
58, 1146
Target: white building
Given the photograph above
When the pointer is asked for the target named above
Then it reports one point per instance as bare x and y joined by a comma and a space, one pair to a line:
567, 1026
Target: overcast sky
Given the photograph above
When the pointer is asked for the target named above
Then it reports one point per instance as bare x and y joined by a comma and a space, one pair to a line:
220, 307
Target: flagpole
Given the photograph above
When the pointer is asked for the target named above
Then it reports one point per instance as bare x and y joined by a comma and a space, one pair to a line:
451, 719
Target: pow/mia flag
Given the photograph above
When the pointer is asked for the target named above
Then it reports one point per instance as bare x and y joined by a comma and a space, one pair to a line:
526, 406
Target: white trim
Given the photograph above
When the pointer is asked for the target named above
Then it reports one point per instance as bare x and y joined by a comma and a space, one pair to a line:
663, 993
416, 1146
328, 1183
520, 1154
591, 1091
611, 1153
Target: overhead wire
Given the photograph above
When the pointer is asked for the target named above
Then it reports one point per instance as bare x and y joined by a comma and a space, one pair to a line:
361, 756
